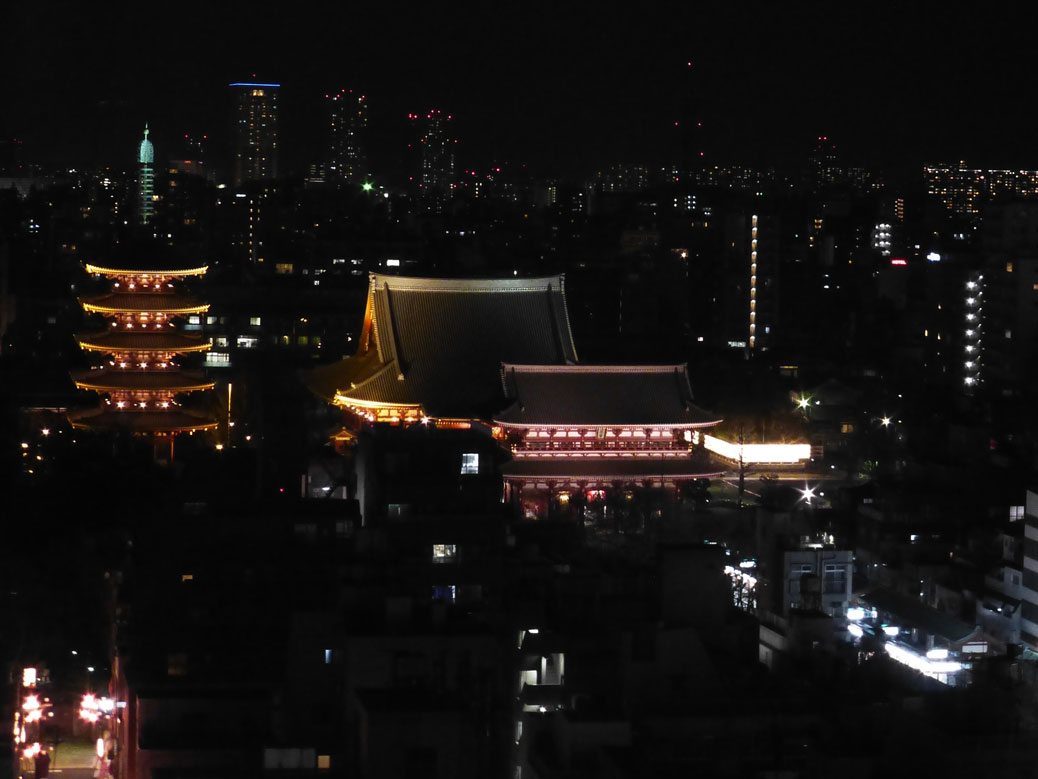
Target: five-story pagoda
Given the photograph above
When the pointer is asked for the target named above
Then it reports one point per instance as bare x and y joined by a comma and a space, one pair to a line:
141, 381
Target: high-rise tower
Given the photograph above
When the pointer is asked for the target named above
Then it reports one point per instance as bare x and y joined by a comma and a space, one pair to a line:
436, 179
348, 117
255, 131
146, 180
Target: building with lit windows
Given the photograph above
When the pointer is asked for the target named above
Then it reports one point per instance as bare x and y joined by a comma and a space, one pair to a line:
255, 131
347, 120
435, 147
964, 190
146, 180
1029, 604
141, 381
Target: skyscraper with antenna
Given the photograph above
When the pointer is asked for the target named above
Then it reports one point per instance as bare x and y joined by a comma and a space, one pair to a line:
146, 180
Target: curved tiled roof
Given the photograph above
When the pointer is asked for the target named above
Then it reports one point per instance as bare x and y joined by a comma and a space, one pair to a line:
601, 395
143, 302
165, 381
439, 343
142, 341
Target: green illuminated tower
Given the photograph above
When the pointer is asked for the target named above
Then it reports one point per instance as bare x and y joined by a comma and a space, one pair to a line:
146, 159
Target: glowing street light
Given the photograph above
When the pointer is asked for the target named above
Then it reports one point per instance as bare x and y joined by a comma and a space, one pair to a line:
367, 186
807, 493
885, 421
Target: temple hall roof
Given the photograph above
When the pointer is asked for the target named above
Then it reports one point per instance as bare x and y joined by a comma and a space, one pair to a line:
600, 395
439, 343
141, 341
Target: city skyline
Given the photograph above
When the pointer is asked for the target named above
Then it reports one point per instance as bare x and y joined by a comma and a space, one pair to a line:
554, 89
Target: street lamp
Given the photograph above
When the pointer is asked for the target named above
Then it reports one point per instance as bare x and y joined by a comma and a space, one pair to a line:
807, 493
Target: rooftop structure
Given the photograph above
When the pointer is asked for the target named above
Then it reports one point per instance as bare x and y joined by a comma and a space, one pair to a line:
142, 380
433, 348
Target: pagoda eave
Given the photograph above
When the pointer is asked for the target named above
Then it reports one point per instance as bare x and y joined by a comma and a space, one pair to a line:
109, 342
141, 422
164, 272
97, 308
138, 381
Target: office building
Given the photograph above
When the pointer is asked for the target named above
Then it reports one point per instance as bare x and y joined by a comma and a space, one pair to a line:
348, 118
255, 131
146, 180
964, 190
436, 159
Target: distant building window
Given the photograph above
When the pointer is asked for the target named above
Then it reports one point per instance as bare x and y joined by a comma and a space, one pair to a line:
324, 762
469, 463
210, 320
444, 592
444, 553
846, 428
220, 359
835, 578
303, 340
283, 268
1009, 267
255, 321
247, 342
1016, 513
327, 657
222, 342
194, 319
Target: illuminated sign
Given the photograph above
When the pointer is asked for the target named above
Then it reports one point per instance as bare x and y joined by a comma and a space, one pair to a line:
898, 261
757, 453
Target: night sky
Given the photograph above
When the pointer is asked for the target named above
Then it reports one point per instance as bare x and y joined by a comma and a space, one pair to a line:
565, 90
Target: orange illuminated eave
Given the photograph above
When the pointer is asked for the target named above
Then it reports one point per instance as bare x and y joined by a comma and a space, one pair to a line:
158, 308
113, 385
164, 273
141, 422
111, 343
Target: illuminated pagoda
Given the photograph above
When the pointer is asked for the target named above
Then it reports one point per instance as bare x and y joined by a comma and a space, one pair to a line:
141, 379
431, 349
586, 431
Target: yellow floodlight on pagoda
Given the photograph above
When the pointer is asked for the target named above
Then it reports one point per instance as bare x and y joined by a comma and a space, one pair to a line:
181, 273
157, 307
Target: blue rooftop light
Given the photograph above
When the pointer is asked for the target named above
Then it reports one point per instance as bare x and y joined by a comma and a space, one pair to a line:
245, 84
